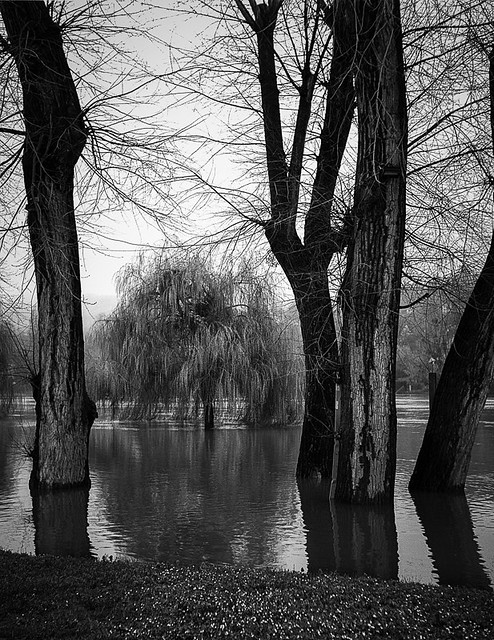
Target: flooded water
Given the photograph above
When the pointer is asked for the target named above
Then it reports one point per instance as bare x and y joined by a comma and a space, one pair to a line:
172, 494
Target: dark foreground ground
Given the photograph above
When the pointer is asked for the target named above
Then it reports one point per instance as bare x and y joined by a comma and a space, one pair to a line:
49, 598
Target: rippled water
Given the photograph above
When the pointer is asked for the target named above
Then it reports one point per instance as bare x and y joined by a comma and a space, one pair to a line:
229, 496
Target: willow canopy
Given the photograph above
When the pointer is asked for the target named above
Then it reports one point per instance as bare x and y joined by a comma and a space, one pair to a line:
187, 337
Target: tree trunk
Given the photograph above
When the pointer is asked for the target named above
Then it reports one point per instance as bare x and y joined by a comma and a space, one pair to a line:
371, 287
209, 415
350, 539
305, 263
321, 371
55, 137
444, 457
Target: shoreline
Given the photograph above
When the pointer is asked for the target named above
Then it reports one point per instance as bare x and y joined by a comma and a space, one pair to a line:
56, 597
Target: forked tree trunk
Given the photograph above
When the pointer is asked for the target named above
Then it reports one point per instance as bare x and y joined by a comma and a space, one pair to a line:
55, 137
371, 288
444, 457
305, 263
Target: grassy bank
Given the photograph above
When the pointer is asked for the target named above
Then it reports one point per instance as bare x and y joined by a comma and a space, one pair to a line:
50, 598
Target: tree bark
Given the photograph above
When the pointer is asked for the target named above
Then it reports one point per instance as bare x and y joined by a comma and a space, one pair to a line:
371, 288
306, 262
467, 374
321, 372
55, 138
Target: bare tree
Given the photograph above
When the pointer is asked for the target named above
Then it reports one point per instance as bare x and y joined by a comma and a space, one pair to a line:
305, 261
64, 86
6, 379
55, 134
366, 45
125, 168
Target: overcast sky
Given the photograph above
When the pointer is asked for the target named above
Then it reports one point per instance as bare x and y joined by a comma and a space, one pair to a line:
120, 239
116, 237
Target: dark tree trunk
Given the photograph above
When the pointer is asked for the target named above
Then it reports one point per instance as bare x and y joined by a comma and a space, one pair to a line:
371, 288
321, 372
306, 262
55, 137
444, 457
347, 538
209, 415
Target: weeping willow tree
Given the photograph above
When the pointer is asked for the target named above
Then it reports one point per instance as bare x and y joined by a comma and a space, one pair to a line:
187, 337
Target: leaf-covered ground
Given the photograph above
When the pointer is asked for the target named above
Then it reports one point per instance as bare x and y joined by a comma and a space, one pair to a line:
50, 598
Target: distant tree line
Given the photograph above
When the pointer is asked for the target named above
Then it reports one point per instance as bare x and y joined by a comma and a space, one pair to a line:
428, 321
154, 352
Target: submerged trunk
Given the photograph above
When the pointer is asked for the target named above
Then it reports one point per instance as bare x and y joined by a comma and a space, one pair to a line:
55, 137
444, 457
347, 538
321, 370
61, 523
209, 415
371, 288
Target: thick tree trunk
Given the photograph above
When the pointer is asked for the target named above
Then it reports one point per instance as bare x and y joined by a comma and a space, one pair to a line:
55, 137
444, 457
321, 371
371, 289
347, 538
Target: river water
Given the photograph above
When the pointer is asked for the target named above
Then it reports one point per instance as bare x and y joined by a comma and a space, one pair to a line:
180, 494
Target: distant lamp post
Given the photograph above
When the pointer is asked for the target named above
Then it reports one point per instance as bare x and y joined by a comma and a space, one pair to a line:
432, 380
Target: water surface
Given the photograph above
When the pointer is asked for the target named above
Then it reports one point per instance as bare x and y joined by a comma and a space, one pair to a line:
180, 494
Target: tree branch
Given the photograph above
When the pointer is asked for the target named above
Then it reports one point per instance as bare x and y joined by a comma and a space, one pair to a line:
15, 132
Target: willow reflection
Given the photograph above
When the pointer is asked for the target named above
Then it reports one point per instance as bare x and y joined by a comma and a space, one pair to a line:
195, 496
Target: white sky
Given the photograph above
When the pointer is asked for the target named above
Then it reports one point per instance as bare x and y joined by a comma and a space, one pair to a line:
124, 237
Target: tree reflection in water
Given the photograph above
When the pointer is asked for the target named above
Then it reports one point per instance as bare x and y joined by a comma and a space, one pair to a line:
190, 496
350, 539
448, 529
61, 522
178, 494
